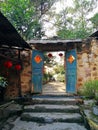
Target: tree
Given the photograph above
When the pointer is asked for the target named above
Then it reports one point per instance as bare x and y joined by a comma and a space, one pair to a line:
25, 15
94, 21
22, 14
77, 24
43, 6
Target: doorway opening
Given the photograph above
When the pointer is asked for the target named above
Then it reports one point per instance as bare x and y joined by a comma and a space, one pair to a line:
38, 68
54, 73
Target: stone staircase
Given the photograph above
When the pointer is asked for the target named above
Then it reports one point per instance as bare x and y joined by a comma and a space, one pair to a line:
54, 113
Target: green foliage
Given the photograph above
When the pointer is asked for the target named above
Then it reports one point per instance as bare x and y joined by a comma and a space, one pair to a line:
22, 14
47, 77
73, 34
90, 89
66, 34
60, 72
3, 82
61, 77
71, 23
75, 24
96, 96
94, 20
59, 69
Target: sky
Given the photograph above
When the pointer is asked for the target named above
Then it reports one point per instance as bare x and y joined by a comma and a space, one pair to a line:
50, 29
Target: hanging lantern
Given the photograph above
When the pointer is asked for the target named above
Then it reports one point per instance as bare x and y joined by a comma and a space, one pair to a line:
60, 54
50, 55
18, 67
8, 64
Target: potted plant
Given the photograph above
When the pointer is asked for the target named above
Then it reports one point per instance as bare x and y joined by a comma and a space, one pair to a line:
3, 84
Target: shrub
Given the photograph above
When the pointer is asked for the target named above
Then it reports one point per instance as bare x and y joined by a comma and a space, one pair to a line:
89, 89
3, 82
61, 77
47, 77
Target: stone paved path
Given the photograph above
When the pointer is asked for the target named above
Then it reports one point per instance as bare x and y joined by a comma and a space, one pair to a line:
48, 113
56, 87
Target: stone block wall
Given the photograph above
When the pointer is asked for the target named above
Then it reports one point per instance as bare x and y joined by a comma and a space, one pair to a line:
87, 64
11, 76
12, 88
26, 74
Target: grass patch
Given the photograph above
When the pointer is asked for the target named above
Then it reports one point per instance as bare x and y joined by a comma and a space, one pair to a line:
89, 89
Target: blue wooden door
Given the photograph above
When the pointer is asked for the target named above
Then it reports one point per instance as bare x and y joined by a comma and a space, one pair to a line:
37, 71
71, 71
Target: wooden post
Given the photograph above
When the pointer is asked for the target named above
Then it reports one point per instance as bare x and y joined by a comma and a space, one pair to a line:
19, 77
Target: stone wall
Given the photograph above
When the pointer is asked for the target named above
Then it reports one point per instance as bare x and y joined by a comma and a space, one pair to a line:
26, 73
12, 90
87, 64
87, 68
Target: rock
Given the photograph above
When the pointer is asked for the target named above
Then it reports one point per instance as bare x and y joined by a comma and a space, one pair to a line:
95, 110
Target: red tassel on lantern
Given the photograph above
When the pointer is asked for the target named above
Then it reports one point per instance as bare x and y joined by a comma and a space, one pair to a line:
60, 54
18, 67
8, 64
50, 55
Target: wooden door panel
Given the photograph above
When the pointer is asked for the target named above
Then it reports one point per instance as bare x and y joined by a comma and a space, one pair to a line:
71, 71
37, 70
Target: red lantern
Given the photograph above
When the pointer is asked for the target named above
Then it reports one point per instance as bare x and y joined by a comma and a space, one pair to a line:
18, 67
8, 64
50, 55
60, 54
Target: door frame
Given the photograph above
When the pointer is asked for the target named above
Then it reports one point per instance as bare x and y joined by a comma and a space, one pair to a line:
65, 71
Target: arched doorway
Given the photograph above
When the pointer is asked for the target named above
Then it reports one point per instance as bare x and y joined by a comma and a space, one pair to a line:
69, 49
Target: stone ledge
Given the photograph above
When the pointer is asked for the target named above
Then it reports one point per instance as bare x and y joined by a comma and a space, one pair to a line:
9, 109
92, 120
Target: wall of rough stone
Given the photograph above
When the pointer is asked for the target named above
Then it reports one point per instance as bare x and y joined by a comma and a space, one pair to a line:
26, 74
12, 90
87, 64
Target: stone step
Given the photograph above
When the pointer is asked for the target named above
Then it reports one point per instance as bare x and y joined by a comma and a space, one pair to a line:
65, 101
52, 117
51, 108
24, 125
